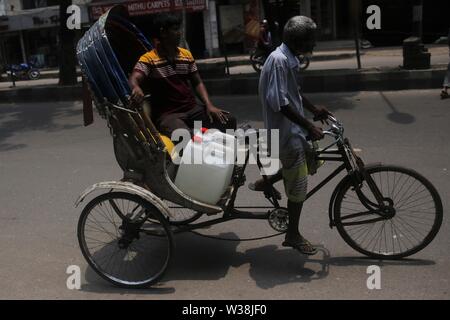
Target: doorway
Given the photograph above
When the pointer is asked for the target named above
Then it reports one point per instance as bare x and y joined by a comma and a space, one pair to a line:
323, 12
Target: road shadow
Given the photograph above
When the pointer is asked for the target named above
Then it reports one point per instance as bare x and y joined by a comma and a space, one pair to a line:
249, 110
395, 115
20, 118
287, 266
202, 259
195, 258
96, 284
249, 107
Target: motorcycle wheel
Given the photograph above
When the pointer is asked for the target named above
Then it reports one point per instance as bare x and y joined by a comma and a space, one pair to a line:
257, 62
304, 62
34, 74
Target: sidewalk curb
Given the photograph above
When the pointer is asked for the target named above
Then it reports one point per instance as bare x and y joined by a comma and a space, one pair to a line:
42, 93
213, 69
339, 81
312, 81
242, 62
46, 75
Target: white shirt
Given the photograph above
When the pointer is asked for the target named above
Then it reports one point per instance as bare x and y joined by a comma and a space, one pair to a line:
278, 87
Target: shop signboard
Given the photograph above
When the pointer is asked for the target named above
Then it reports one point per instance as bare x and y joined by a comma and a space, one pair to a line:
36, 19
40, 19
140, 8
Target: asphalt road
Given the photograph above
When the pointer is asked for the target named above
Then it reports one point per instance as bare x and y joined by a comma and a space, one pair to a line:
47, 158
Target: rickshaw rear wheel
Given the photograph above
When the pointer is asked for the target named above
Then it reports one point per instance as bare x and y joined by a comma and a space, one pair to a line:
125, 239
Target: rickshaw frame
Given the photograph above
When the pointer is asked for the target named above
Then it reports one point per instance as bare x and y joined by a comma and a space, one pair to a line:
142, 155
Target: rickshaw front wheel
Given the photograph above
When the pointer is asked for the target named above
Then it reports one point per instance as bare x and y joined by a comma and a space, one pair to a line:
125, 239
409, 222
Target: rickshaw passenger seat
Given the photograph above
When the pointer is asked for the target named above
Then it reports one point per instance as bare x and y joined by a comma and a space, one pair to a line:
106, 62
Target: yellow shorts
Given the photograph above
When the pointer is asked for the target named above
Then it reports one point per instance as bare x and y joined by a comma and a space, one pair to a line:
295, 174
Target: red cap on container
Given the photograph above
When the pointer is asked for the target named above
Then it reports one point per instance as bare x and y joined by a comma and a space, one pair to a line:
197, 138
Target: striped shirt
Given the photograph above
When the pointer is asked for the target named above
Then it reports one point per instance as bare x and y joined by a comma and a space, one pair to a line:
168, 83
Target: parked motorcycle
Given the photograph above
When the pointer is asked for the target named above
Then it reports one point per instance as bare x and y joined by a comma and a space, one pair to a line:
24, 71
257, 60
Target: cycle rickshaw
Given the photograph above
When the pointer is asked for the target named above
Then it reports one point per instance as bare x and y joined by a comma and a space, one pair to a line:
127, 232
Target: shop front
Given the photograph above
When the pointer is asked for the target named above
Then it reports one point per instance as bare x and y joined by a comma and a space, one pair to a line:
238, 24
333, 17
9, 47
142, 13
239, 19
32, 36
42, 46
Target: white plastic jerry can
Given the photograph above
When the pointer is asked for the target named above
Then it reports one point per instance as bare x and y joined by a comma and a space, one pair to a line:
206, 166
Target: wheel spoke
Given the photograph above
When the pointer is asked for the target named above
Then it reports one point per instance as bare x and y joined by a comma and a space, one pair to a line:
414, 193
116, 208
401, 188
406, 192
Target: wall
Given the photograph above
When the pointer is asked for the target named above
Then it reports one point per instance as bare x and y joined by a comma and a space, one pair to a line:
2, 8
16, 3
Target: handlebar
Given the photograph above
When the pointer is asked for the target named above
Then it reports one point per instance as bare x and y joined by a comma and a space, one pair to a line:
333, 119
336, 129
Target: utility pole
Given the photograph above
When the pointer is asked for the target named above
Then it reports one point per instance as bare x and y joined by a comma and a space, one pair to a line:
358, 53
356, 31
222, 43
184, 42
10, 72
13, 77
418, 18
67, 59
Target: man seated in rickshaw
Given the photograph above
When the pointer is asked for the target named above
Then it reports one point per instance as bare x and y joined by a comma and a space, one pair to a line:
169, 72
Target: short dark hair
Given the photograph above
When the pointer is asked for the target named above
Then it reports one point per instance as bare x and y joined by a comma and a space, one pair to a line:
164, 21
298, 29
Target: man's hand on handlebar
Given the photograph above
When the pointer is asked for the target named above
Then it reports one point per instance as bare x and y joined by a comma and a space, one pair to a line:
315, 133
321, 114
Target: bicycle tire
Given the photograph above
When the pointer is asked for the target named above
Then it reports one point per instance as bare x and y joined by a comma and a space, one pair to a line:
401, 229
153, 216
